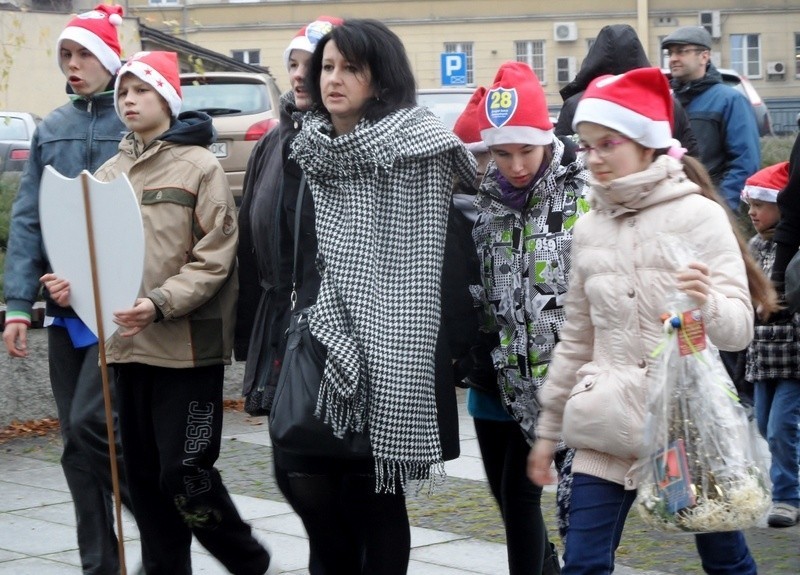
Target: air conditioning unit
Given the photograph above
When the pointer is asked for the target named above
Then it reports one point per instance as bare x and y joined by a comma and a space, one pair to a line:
565, 69
565, 31
709, 19
776, 68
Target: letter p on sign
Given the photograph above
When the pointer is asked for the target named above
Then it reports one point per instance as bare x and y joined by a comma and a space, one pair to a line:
454, 69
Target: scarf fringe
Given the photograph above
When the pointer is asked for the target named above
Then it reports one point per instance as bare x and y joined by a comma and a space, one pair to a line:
391, 475
342, 414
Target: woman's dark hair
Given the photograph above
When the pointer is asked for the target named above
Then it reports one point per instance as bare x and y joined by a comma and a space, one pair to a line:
370, 45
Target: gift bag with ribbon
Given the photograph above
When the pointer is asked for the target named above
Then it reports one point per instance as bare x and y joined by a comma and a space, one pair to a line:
699, 469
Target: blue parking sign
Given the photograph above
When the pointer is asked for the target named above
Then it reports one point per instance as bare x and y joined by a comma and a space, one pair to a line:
454, 69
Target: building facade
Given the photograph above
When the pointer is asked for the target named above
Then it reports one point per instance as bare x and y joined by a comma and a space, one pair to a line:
761, 40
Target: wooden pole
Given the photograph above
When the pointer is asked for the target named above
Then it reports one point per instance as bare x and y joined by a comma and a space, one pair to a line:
101, 338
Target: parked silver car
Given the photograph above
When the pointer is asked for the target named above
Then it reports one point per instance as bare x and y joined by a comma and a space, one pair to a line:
16, 132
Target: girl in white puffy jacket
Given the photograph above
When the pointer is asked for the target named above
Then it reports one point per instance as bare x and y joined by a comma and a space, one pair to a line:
643, 191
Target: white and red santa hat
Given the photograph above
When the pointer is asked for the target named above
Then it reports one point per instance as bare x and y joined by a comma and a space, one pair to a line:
308, 36
160, 70
765, 184
637, 104
514, 109
466, 126
96, 31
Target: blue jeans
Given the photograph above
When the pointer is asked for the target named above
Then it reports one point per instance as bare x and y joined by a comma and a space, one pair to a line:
597, 515
778, 416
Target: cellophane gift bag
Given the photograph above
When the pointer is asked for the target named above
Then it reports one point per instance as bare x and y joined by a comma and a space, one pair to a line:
699, 469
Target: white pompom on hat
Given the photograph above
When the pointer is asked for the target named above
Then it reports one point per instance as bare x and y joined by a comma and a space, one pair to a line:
161, 71
308, 36
514, 109
765, 184
96, 31
637, 104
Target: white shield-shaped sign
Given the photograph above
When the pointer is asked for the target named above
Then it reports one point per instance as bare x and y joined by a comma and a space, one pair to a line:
118, 239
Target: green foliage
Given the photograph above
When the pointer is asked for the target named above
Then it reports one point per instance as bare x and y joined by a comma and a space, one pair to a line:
776, 149
8, 190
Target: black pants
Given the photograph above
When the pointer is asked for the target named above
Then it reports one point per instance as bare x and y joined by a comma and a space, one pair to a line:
78, 391
351, 529
171, 424
505, 457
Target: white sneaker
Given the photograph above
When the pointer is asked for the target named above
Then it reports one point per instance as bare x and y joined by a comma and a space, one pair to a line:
782, 515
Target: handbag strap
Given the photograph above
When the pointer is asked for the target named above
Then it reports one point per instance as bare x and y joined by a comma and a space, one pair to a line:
298, 209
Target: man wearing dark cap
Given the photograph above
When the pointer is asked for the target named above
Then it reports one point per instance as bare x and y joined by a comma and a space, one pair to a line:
722, 119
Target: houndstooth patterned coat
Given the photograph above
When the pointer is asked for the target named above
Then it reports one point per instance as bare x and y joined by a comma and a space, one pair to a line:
381, 195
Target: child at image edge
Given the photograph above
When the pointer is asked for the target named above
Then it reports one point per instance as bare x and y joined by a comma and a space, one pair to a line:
644, 192
172, 346
772, 358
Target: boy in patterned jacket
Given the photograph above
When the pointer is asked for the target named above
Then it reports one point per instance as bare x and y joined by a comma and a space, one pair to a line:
772, 358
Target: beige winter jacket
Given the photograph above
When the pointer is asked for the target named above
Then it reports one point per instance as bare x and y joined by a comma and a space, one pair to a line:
623, 276
191, 238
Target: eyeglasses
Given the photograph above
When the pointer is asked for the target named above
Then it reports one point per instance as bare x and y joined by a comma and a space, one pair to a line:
682, 50
604, 148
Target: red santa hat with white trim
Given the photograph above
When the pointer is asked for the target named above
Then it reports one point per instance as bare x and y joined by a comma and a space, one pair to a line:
765, 184
514, 109
308, 36
96, 31
637, 104
160, 70
466, 126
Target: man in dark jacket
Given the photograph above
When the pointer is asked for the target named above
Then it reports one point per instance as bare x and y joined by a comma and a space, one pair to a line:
616, 50
722, 118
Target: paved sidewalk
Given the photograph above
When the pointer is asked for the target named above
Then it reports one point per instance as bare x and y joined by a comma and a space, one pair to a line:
37, 533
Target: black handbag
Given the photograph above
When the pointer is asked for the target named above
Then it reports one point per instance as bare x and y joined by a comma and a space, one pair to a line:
293, 427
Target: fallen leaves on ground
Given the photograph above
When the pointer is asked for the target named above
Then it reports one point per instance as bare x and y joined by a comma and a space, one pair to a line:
234, 404
34, 427
42, 427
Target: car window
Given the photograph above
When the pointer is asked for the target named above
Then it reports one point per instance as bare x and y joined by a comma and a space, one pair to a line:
218, 99
447, 105
13, 129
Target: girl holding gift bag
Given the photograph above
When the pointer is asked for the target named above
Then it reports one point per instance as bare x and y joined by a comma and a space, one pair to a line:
643, 190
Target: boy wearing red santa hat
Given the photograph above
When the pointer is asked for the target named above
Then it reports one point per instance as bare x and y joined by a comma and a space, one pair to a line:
80, 135
172, 345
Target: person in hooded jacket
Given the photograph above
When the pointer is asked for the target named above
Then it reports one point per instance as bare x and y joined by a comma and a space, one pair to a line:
645, 193
173, 344
79, 135
527, 204
616, 50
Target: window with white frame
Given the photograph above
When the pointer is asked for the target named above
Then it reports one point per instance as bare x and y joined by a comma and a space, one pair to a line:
746, 54
797, 54
161, 2
532, 53
466, 48
247, 56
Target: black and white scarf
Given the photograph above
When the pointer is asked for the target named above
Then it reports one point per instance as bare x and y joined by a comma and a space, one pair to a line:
381, 196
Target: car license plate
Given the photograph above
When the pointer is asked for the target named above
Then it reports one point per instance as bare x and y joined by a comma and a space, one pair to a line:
219, 149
